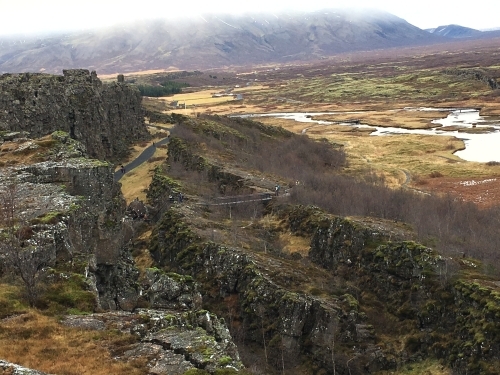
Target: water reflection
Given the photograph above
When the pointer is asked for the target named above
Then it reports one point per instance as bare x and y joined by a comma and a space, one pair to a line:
481, 147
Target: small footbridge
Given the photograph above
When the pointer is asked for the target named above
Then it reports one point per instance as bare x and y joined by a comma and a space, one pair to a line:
238, 199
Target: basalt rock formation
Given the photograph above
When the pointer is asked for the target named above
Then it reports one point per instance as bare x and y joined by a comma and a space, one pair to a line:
106, 118
77, 208
359, 298
73, 211
173, 341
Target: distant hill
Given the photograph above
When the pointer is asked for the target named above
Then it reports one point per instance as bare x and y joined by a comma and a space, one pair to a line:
455, 31
213, 41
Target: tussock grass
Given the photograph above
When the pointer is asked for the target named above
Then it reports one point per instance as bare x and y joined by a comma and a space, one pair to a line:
40, 342
137, 180
10, 301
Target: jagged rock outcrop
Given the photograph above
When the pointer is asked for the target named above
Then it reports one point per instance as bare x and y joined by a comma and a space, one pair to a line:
391, 281
75, 206
170, 291
292, 322
172, 341
106, 118
13, 369
450, 318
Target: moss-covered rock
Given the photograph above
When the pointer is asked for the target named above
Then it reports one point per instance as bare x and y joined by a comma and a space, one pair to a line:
451, 319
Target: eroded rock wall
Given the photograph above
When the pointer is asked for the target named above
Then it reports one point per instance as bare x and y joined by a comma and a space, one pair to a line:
106, 118
447, 315
78, 209
295, 326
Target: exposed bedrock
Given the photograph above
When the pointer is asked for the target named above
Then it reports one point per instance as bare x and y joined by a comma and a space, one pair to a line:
106, 118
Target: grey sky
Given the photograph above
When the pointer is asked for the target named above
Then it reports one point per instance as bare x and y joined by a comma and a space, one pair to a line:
41, 16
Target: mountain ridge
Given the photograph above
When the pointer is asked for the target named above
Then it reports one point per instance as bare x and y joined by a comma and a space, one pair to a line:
213, 41
455, 31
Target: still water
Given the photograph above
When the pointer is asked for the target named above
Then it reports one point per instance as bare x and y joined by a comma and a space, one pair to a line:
478, 147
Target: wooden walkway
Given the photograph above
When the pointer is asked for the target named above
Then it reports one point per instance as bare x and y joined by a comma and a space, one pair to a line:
238, 199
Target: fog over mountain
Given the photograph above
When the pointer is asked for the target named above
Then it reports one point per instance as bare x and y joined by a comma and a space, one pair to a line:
455, 31
213, 41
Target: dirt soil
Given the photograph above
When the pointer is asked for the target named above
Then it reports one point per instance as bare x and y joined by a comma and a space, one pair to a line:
485, 192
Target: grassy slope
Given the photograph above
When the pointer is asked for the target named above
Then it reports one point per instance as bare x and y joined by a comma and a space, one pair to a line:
34, 340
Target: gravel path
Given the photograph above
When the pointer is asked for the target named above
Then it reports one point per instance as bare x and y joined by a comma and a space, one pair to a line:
144, 156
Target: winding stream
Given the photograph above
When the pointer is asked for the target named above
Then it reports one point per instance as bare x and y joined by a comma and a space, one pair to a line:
483, 147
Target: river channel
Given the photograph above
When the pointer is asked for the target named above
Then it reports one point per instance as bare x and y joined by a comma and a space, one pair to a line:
482, 147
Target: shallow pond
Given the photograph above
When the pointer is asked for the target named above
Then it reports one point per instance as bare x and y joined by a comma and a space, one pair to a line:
482, 147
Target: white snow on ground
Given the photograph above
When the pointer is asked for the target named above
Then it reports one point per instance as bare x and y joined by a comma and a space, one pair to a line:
473, 182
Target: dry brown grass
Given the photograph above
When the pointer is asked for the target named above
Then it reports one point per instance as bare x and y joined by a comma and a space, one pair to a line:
390, 156
294, 244
398, 118
198, 97
138, 179
36, 341
11, 155
142, 256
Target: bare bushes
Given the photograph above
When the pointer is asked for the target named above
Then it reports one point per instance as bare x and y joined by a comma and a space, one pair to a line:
21, 251
264, 148
456, 228
453, 227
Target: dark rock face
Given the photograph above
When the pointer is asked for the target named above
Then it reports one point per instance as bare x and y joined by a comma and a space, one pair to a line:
296, 323
106, 118
170, 291
401, 281
450, 319
88, 227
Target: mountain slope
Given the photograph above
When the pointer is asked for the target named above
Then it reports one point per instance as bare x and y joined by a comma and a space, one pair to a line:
455, 31
213, 41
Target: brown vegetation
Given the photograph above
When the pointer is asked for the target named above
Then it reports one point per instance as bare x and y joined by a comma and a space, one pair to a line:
454, 227
37, 341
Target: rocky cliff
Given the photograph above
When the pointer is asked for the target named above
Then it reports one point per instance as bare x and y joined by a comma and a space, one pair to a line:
76, 204
383, 302
73, 211
446, 313
397, 302
106, 118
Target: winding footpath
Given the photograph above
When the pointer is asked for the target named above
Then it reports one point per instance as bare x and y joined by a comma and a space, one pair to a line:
144, 156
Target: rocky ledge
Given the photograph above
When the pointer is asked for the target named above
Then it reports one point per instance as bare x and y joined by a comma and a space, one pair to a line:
172, 341
13, 369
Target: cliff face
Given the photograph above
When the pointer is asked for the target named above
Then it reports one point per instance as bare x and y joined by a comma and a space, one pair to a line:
291, 324
446, 313
77, 208
106, 118
76, 214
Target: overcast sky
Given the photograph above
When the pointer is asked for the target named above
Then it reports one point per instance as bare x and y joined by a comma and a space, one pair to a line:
41, 16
